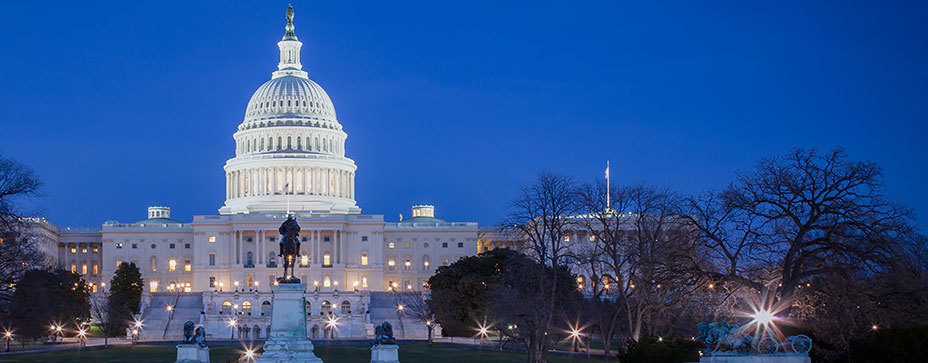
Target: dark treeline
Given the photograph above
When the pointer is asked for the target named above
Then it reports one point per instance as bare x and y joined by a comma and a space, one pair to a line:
809, 236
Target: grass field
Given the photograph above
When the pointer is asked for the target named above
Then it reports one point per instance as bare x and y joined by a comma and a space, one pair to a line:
329, 353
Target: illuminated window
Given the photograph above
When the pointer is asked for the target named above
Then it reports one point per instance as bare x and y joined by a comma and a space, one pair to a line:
363, 259
425, 264
391, 245
406, 245
119, 245
566, 238
304, 260
592, 238
187, 287
74, 249
187, 266
246, 307
391, 263
212, 238
93, 287
249, 281
154, 264
212, 281
444, 261
326, 282
406, 265
84, 269
227, 307
84, 250
96, 269
73, 268
153, 286
172, 264
118, 262
364, 281
96, 249
327, 260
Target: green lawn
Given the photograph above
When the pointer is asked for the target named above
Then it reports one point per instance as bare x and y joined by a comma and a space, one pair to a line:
328, 353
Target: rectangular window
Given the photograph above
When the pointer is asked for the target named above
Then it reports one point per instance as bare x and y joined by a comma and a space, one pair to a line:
444, 261
326, 260
364, 259
118, 262
249, 239
153, 286
444, 245
73, 268
304, 260
391, 245
213, 239
406, 245
73, 249
391, 263
171, 246
84, 269
212, 281
249, 281
187, 266
172, 265
96, 269
186, 245
119, 246
364, 281
363, 238
460, 244
84, 250
326, 239
135, 245
96, 249
212, 259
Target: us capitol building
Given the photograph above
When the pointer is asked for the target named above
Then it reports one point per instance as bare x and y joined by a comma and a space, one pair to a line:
290, 155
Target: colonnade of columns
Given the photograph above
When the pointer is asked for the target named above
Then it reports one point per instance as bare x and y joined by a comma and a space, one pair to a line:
313, 246
301, 180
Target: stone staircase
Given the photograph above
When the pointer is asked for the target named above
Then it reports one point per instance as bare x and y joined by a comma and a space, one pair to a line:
155, 317
186, 309
383, 308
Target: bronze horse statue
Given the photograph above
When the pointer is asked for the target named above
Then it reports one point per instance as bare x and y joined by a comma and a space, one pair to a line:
289, 247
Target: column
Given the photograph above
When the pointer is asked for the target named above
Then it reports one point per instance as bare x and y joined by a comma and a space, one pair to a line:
260, 249
338, 246
238, 247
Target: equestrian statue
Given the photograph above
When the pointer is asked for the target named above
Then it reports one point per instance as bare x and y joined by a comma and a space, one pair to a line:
289, 248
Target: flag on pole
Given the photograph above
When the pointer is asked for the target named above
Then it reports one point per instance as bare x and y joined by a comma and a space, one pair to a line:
607, 170
286, 188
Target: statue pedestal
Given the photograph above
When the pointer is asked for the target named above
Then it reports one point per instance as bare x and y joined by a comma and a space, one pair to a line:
382, 353
771, 358
288, 341
192, 353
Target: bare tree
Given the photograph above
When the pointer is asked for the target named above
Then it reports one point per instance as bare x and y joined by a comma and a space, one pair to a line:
540, 216
792, 219
100, 311
415, 305
628, 248
18, 249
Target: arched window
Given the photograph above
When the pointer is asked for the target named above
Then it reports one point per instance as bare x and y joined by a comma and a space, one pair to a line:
364, 259
257, 331
154, 264
246, 307
271, 260
407, 265
346, 307
280, 141
249, 259
425, 263
391, 264
266, 308
309, 308
326, 307
227, 307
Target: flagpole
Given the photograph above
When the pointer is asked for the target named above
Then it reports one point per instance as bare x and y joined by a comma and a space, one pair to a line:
608, 202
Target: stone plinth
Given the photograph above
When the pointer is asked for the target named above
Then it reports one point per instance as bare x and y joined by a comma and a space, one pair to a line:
288, 341
191, 353
772, 358
382, 353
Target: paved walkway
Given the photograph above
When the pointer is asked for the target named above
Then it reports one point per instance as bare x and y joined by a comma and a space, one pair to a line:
65, 344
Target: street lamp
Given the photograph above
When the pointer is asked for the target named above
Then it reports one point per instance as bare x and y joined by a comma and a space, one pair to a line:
250, 354
232, 329
8, 335
81, 333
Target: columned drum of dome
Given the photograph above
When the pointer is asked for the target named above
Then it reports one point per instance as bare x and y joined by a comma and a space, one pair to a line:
290, 148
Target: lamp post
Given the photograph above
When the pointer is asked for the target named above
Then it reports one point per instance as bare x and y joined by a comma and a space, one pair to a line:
82, 334
232, 329
8, 335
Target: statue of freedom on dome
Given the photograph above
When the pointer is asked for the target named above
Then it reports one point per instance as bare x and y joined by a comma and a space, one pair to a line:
289, 248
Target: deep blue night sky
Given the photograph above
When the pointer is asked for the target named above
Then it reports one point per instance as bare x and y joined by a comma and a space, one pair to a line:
131, 104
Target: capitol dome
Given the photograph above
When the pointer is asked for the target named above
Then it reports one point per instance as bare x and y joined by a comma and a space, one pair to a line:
290, 148
297, 99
